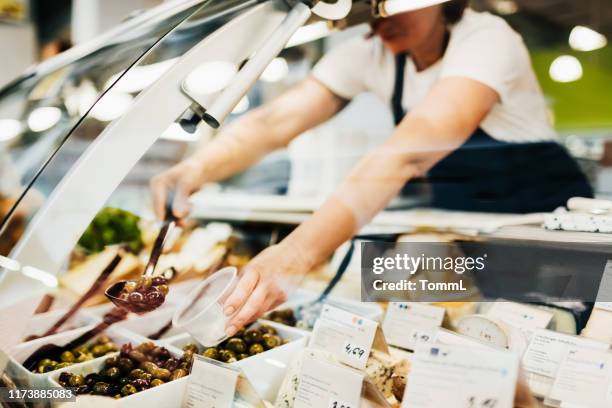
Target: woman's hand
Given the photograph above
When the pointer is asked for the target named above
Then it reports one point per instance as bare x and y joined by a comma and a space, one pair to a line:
265, 283
184, 179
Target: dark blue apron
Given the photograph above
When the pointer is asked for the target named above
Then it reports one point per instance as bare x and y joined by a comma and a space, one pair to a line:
488, 175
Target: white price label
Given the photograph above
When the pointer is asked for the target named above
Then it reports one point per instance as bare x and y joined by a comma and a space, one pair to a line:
334, 403
210, 385
337, 328
526, 318
355, 352
406, 323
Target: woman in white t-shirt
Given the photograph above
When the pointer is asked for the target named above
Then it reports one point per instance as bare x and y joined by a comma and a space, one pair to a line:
470, 116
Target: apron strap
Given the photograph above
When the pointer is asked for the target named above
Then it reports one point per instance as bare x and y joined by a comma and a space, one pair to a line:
398, 88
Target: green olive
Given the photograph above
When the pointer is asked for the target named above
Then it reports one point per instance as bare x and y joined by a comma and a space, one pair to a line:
50, 366
271, 340
111, 361
103, 339
162, 374
155, 382
128, 389
226, 355
256, 349
242, 356
179, 373
236, 345
136, 373
252, 336
211, 352
80, 357
187, 356
191, 347
112, 373
76, 381
101, 388
99, 350
63, 365
267, 329
67, 357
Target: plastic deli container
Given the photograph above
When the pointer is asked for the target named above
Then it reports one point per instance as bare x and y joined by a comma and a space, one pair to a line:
201, 312
265, 370
24, 377
168, 395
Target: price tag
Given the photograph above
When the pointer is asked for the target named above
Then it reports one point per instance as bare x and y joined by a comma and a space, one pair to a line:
584, 379
453, 376
210, 385
604, 294
348, 336
407, 324
526, 318
324, 384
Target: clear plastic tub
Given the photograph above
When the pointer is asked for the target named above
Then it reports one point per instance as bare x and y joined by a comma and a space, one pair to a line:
201, 313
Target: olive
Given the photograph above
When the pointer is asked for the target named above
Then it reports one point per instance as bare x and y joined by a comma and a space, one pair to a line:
136, 373
161, 352
190, 347
103, 339
99, 350
76, 381
125, 364
286, 314
149, 366
144, 282
111, 361
91, 379
171, 364
211, 352
155, 382
129, 287
146, 347
80, 357
67, 357
162, 374
83, 389
252, 336
226, 355
112, 373
101, 388
159, 280
117, 396
164, 289
64, 378
125, 350
45, 368
187, 356
270, 341
242, 356
138, 356
240, 333
123, 380
135, 297
62, 365
154, 297
256, 349
266, 329
140, 384
179, 373
236, 345
81, 350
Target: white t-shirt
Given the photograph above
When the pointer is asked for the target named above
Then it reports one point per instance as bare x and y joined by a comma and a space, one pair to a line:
482, 47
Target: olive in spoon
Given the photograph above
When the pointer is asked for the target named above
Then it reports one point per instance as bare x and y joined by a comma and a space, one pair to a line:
148, 292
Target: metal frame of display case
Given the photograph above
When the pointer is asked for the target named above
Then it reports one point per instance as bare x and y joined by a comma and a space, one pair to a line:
55, 229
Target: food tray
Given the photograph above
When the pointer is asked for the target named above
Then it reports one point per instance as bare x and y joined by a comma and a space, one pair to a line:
40, 323
266, 370
168, 395
23, 377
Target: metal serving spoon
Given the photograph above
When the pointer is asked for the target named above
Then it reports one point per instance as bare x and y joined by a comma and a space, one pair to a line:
113, 293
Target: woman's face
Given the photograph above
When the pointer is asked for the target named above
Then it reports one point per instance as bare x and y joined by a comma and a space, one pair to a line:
408, 31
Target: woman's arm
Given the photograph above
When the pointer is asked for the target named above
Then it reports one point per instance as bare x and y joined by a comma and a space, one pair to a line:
246, 141
446, 118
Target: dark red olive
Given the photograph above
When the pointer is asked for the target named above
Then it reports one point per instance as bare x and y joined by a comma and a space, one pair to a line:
158, 280
140, 384
135, 297
154, 298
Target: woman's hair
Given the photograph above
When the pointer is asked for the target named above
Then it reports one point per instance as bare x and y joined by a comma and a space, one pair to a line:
453, 10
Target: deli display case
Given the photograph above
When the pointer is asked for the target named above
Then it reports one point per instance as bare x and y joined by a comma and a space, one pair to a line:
82, 134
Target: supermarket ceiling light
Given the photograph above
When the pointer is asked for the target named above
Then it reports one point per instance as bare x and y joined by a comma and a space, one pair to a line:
308, 33
565, 69
505, 7
139, 78
41, 119
9, 264
276, 71
210, 77
9, 129
111, 106
585, 39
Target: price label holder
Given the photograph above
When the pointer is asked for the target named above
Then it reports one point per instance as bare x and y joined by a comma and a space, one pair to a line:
545, 353
458, 376
213, 384
348, 336
584, 379
322, 384
524, 317
407, 324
